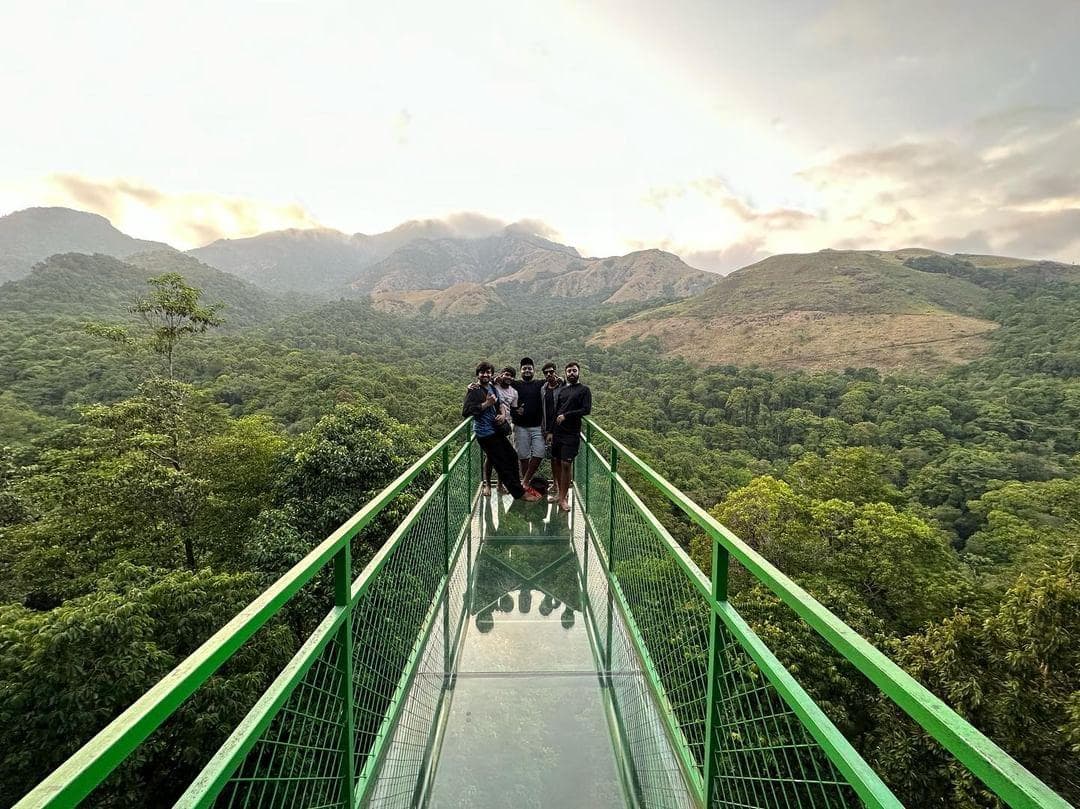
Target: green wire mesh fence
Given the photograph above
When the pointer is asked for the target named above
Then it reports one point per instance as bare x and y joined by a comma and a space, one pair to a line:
742, 730
401, 635
764, 756
350, 720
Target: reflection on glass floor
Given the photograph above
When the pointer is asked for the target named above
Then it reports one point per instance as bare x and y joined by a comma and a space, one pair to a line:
527, 724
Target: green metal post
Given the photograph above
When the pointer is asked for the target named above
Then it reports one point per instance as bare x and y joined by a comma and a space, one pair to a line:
611, 559
588, 444
446, 563
471, 444
468, 469
343, 598
713, 688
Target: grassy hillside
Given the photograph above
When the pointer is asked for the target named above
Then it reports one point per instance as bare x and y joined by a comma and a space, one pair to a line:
836, 281
905, 309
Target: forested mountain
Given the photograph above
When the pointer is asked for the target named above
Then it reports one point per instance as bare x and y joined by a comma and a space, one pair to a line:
414, 258
521, 264
901, 309
322, 261
34, 234
459, 299
405, 267
313, 261
100, 286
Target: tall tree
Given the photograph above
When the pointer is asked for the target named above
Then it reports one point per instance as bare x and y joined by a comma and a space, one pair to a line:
173, 311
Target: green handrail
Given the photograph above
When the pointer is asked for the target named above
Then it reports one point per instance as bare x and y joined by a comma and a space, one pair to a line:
1006, 777
858, 774
73, 780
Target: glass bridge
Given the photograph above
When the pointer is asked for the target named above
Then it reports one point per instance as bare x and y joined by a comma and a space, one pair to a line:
501, 654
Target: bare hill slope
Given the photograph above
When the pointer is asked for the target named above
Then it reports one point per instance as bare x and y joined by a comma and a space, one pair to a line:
901, 309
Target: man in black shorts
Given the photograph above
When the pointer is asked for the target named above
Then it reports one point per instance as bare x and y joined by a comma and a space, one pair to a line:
573, 401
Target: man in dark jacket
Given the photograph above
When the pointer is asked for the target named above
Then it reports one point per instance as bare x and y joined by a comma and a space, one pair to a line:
482, 403
573, 401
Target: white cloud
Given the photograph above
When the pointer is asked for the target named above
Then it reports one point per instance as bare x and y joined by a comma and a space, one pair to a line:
182, 219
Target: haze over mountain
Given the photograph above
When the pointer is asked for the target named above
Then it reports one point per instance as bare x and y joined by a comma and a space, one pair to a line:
899, 309
514, 262
418, 256
316, 260
910, 308
33, 234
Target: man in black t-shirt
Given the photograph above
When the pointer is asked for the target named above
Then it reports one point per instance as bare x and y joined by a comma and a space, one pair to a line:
573, 401
528, 431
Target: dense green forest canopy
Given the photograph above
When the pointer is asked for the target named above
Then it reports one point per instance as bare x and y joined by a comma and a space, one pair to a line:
139, 510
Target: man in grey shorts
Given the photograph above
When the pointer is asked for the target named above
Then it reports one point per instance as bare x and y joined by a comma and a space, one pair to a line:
528, 433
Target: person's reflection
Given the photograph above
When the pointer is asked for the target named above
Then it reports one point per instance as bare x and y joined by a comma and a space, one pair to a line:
485, 621
554, 525
524, 600
488, 508
567, 619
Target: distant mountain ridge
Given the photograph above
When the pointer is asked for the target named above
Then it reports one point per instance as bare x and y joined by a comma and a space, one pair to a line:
415, 257
910, 308
516, 263
31, 235
318, 260
423, 256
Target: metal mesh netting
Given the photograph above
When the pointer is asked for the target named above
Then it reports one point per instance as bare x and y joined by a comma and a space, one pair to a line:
671, 616
655, 772
763, 755
400, 778
297, 761
403, 631
389, 623
594, 580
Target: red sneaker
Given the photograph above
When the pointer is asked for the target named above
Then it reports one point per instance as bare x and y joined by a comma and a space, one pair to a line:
531, 495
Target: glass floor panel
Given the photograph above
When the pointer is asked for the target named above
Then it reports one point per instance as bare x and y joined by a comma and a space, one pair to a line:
527, 724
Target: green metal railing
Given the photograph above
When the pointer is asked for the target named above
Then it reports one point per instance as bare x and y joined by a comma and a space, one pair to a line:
350, 719
703, 713
745, 731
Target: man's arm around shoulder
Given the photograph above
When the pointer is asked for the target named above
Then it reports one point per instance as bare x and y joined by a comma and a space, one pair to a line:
474, 402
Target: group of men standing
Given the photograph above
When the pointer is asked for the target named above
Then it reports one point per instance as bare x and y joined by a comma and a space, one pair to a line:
536, 417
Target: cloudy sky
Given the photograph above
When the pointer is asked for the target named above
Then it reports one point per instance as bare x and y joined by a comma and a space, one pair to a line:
724, 131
